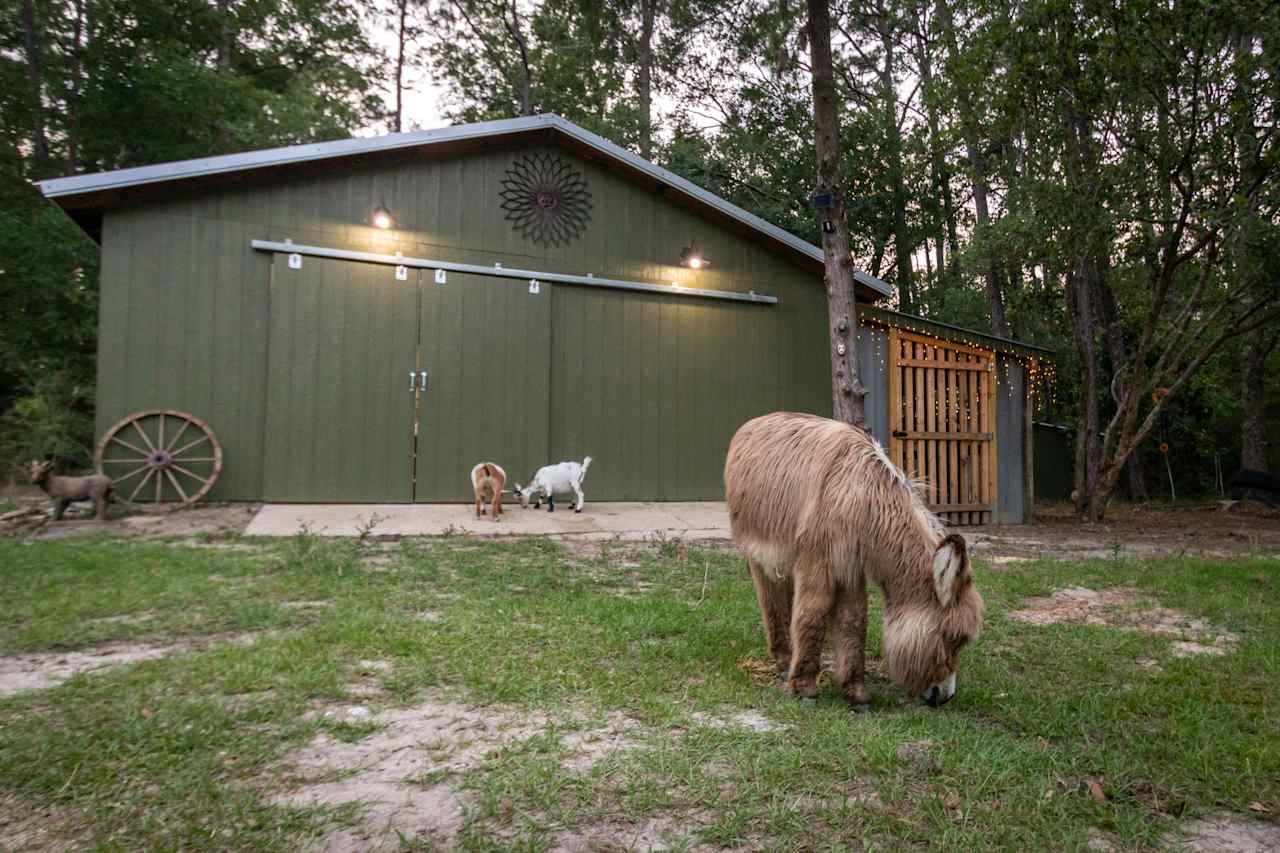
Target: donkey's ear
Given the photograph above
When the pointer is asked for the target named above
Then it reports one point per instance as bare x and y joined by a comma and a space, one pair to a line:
950, 568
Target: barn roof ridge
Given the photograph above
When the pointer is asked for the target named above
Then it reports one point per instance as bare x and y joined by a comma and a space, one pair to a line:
99, 182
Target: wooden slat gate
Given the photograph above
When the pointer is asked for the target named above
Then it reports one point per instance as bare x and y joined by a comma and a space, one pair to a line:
942, 421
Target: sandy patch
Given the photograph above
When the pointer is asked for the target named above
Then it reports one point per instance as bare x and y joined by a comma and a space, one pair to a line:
26, 827
306, 605
201, 519
1125, 608
404, 775
753, 721
663, 832
1226, 833
386, 773
42, 670
124, 619
591, 745
918, 756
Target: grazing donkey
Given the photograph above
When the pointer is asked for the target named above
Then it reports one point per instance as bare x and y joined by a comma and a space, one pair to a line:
820, 511
67, 490
488, 480
550, 479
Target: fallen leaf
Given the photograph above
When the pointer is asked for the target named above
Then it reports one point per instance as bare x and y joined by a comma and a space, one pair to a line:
1257, 807
1095, 790
146, 713
1043, 744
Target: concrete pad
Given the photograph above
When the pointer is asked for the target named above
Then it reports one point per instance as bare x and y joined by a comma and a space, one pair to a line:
628, 520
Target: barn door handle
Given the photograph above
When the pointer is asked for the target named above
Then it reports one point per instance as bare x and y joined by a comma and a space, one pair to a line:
424, 380
412, 374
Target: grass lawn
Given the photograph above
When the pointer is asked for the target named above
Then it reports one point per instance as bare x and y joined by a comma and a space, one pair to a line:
190, 750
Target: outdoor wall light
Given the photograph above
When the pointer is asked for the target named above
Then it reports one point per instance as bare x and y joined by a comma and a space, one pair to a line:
382, 216
691, 257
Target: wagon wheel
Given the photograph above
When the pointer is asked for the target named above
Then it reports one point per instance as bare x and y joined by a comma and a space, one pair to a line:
160, 458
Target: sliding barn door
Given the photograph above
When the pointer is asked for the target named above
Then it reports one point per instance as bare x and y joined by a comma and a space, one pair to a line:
484, 344
340, 403
942, 417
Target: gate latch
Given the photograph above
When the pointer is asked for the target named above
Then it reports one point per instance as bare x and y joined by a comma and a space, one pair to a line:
899, 433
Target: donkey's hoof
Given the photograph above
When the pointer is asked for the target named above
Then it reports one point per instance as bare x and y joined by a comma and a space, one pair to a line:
860, 707
579, 509
783, 676
808, 701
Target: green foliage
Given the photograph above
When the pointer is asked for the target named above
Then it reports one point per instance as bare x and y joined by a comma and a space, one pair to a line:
124, 83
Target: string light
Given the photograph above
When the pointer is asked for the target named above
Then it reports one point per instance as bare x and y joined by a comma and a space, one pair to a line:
1041, 370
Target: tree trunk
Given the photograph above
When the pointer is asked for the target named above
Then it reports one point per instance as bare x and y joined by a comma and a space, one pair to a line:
1253, 430
226, 42
35, 74
994, 290
76, 88
644, 84
901, 240
946, 238
1079, 294
526, 72
400, 42
847, 392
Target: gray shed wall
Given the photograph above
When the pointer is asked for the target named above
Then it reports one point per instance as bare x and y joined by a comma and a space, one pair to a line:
1011, 406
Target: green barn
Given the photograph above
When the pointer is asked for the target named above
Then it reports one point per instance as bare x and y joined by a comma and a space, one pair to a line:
363, 320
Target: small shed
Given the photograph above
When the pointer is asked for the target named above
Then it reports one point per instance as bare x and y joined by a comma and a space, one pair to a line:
362, 320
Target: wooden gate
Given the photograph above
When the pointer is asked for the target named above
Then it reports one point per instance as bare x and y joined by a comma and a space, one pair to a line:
942, 421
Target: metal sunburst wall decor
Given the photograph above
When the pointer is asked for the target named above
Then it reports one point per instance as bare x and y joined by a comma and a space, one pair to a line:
545, 199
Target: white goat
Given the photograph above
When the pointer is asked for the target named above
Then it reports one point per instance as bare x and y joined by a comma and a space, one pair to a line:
563, 478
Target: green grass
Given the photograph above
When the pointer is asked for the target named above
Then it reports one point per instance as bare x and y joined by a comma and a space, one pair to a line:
157, 756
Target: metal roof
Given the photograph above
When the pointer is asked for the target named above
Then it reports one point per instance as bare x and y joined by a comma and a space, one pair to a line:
67, 188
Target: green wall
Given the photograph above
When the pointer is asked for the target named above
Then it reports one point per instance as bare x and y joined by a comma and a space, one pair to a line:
651, 386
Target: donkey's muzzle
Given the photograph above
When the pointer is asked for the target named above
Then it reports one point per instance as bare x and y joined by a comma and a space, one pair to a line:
940, 693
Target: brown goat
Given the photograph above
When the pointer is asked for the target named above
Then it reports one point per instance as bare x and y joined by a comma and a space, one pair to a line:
67, 490
488, 481
820, 511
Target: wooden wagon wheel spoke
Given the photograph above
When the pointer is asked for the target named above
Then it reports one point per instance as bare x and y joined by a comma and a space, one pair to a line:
159, 447
177, 436
193, 476
145, 439
189, 445
138, 488
174, 480
135, 448
135, 472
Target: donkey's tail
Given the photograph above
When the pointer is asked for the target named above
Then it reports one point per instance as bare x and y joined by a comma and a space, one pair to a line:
586, 463
487, 472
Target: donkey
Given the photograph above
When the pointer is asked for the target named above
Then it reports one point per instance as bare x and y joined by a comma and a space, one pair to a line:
820, 511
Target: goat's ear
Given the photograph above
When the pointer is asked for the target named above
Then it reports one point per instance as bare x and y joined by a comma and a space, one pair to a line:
950, 568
